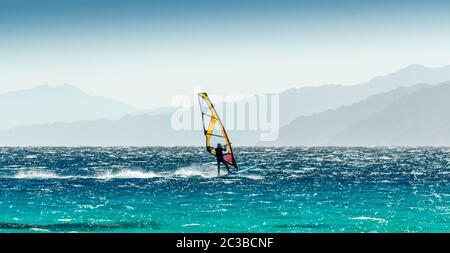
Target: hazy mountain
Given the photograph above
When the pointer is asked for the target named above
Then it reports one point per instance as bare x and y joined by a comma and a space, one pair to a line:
309, 100
137, 130
67, 103
45, 104
421, 118
419, 115
362, 114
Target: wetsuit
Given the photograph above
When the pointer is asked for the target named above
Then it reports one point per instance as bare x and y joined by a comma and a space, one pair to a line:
219, 157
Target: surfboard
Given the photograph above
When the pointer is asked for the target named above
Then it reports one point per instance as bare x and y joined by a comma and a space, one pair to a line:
235, 173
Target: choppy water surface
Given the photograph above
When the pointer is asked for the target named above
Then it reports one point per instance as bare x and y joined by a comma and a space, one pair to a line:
175, 190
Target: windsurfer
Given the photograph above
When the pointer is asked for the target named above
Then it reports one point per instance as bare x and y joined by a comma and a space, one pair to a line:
214, 131
219, 156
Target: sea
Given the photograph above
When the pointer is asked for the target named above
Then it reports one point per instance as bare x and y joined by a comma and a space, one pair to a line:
286, 189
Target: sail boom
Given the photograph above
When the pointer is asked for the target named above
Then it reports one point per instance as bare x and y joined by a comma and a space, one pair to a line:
207, 115
214, 135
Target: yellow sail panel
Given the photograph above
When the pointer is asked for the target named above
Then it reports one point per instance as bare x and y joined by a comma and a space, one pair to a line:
214, 130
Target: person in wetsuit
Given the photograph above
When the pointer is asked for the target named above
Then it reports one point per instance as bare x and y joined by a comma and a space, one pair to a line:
219, 156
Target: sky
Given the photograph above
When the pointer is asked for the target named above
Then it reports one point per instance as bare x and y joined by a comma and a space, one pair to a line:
145, 52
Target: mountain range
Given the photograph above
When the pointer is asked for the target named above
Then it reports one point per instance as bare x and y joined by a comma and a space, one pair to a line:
310, 100
65, 103
413, 116
405, 108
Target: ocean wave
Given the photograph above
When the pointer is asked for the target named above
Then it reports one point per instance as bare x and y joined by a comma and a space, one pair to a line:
126, 173
191, 225
37, 174
195, 171
90, 206
381, 220
184, 172
253, 177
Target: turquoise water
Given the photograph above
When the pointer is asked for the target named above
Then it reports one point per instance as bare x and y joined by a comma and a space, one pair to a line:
175, 190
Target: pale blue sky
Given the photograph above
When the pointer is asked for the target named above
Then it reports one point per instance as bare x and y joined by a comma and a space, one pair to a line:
144, 52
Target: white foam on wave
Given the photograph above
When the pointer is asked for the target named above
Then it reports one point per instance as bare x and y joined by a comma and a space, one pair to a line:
126, 173
253, 177
191, 225
64, 220
37, 174
304, 170
185, 172
417, 173
381, 220
195, 171
203, 171
39, 230
105, 175
90, 206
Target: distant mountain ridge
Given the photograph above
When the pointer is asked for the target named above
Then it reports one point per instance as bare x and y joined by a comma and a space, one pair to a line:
65, 103
310, 100
421, 118
414, 116
130, 130
312, 116
407, 116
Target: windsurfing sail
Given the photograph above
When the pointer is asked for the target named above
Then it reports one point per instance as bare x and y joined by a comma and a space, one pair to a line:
214, 130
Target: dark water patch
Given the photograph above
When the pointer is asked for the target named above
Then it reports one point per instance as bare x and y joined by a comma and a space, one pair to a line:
82, 226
